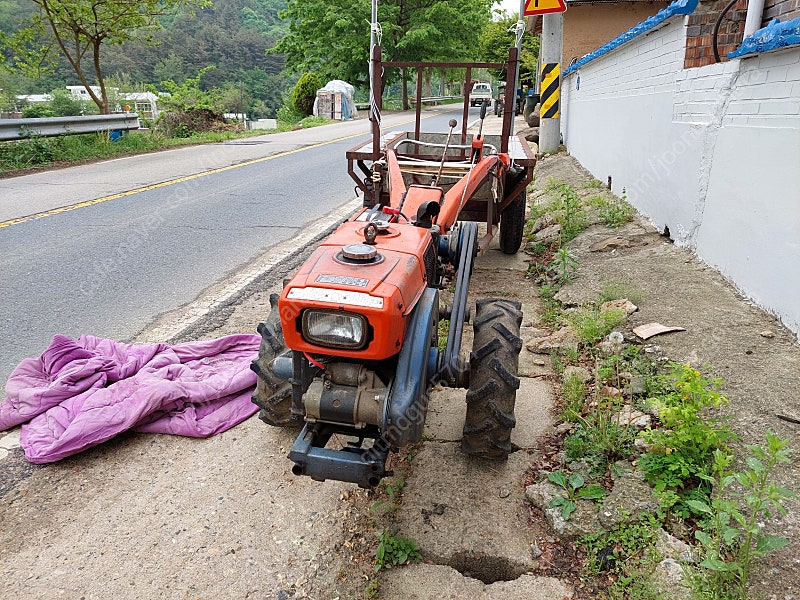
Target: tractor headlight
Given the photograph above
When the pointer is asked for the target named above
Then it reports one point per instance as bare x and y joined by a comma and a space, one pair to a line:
335, 329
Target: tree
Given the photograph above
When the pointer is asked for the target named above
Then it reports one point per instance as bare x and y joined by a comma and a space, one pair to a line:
79, 29
331, 37
495, 41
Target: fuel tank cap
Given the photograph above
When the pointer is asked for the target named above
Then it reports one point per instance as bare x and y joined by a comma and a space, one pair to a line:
359, 252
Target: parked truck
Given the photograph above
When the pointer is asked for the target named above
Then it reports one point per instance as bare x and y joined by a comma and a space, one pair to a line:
481, 93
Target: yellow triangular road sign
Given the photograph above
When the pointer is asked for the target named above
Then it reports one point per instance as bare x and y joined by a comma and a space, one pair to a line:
541, 7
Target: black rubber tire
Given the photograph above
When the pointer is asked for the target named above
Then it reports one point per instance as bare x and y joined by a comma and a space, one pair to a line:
273, 395
512, 224
493, 381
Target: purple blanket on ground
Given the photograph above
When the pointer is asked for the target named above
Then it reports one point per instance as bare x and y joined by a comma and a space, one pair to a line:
81, 393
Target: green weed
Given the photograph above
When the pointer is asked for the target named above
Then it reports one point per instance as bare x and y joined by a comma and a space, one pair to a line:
393, 496
599, 438
562, 268
552, 185
593, 184
35, 152
444, 330
627, 545
557, 362
616, 214
393, 551
678, 463
569, 213
575, 488
734, 533
552, 313
372, 590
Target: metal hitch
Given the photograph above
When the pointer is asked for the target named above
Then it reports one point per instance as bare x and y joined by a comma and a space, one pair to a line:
363, 466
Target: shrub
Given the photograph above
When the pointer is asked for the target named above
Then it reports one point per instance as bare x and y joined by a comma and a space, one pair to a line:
38, 111
304, 93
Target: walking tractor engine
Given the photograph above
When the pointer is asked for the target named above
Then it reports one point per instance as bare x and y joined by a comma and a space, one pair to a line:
350, 349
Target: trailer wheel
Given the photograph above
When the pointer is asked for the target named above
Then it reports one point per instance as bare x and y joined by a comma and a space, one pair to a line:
493, 380
273, 395
512, 223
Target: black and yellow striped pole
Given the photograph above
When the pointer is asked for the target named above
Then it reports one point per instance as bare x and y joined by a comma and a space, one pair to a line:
550, 80
551, 90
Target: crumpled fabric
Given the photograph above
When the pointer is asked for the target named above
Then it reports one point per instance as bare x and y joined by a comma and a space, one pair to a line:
80, 393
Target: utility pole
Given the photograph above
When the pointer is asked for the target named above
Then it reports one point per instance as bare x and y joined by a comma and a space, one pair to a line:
550, 126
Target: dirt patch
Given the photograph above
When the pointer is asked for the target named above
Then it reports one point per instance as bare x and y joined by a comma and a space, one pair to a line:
758, 358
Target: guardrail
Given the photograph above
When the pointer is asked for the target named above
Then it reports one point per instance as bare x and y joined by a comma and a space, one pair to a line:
427, 100
433, 99
17, 129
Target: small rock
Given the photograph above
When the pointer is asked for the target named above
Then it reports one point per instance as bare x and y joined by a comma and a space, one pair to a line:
581, 373
608, 391
636, 385
541, 494
536, 552
504, 493
10, 440
767, 334
609, 244
563, 339
634, 418
565, 427
671, 547
607, 348
548, 235
580, 466
543, 222
669, 577
631, 497
534, 332
621, 304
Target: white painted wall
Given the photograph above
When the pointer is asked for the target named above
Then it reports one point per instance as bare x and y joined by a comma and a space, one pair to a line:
713, 153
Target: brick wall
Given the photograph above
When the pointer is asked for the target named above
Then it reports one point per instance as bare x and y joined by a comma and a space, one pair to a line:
699, 33
786, 10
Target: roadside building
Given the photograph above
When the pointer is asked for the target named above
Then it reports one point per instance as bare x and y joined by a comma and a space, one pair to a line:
709, 151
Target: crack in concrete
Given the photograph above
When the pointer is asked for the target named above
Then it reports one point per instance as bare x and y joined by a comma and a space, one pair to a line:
707, 156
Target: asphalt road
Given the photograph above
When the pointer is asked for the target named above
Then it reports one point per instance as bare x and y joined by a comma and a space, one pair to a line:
110, 268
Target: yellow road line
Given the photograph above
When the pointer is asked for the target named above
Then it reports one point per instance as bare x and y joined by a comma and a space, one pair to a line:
63, 209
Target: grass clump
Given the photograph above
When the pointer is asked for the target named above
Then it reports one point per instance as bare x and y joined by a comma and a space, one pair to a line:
573, 391
592, 324
614, 290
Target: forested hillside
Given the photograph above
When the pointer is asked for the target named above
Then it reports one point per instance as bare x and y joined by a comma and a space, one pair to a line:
231, 35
